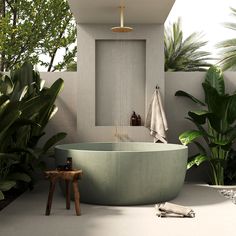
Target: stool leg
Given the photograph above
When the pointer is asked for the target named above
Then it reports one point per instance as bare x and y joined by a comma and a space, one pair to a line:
50, 196
67, 194
77, 196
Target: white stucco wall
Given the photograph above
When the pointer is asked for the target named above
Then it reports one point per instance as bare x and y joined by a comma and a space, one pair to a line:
86, 120
176, 107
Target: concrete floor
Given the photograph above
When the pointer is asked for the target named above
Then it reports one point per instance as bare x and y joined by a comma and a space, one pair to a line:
215, 216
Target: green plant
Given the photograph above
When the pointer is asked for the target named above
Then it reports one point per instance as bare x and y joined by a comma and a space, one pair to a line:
30, 29
26, 106
230, 170
184, 54
214, 123
228, 53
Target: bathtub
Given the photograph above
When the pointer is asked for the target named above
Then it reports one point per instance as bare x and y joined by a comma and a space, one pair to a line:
129, 173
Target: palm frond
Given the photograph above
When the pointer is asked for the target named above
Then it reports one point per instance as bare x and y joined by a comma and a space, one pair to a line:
184, 54
228, 47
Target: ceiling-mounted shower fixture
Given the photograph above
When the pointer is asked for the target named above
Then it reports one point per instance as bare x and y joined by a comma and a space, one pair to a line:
121, 28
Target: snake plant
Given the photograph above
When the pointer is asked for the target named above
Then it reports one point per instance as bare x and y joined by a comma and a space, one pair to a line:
214, 122
26, 106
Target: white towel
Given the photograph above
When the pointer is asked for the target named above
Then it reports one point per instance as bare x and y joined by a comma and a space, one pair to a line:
168, 209
156, 118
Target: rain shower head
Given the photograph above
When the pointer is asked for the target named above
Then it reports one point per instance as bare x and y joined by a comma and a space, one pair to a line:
121, 28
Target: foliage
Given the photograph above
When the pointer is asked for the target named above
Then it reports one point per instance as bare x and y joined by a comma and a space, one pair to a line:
33, 28
215, 125
230, 170
184, 54
228, 52
26, 106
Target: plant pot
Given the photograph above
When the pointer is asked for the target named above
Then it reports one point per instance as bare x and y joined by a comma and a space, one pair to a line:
223, 187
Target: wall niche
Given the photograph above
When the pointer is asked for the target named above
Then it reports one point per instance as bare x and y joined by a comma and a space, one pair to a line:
120, 81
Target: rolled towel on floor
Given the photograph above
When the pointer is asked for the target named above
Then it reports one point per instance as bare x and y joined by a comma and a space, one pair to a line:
173, 210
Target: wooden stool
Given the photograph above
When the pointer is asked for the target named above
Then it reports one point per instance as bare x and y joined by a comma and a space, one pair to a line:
73, 175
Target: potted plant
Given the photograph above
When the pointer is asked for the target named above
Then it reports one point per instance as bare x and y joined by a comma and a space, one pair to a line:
26, 106
214, 122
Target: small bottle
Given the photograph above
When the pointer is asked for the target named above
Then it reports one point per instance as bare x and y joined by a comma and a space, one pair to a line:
139, 120
69, 163
133, 119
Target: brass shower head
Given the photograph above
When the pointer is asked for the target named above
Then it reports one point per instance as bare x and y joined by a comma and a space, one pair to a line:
121, 28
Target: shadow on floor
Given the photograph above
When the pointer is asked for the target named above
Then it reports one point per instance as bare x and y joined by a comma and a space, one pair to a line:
198, 195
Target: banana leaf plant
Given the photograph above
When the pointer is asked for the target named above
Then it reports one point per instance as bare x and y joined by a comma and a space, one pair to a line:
215, 125
26, 106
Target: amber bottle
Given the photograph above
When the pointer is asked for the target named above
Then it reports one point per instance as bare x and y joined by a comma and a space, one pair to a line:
133, 119
139, 120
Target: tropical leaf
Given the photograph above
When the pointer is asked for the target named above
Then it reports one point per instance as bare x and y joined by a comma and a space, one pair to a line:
33, 105
19, 177
6, 185
197, 160
3, 106
49, 108
215, 102
187, 95
6, 122
1, 195
214, 78
231, 112
205, 135
199, 116
53, 140
189, 136
6, 85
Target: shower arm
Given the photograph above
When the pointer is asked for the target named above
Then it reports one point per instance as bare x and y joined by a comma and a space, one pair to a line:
122, 16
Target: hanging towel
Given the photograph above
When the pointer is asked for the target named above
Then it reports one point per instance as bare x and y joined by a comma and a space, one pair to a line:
173, 210
156, 118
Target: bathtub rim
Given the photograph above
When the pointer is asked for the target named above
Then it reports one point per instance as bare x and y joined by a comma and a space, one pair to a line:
62, 147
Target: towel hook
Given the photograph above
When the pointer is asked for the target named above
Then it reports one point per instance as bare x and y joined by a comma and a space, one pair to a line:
157, 87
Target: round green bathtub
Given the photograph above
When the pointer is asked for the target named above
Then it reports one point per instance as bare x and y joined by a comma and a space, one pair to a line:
127, 173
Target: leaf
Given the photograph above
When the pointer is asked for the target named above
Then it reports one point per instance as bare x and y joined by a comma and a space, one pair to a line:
3, 107
197, 160
7, 121
6, 85
3, 99
216, 103
33, 105
200, 127
184, 53
1, 195
6, 185
231, 112
25, 150
189, 136
199, 116
214, 78
187, 95
20, 177
53, 140
46, 113
23, 122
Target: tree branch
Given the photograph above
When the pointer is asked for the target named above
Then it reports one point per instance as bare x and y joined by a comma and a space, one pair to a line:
55, 50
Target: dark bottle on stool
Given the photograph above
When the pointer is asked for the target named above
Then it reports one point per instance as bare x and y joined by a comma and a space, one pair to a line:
68, 163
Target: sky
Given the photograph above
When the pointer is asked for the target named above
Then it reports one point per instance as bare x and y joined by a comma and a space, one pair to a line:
205, 16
